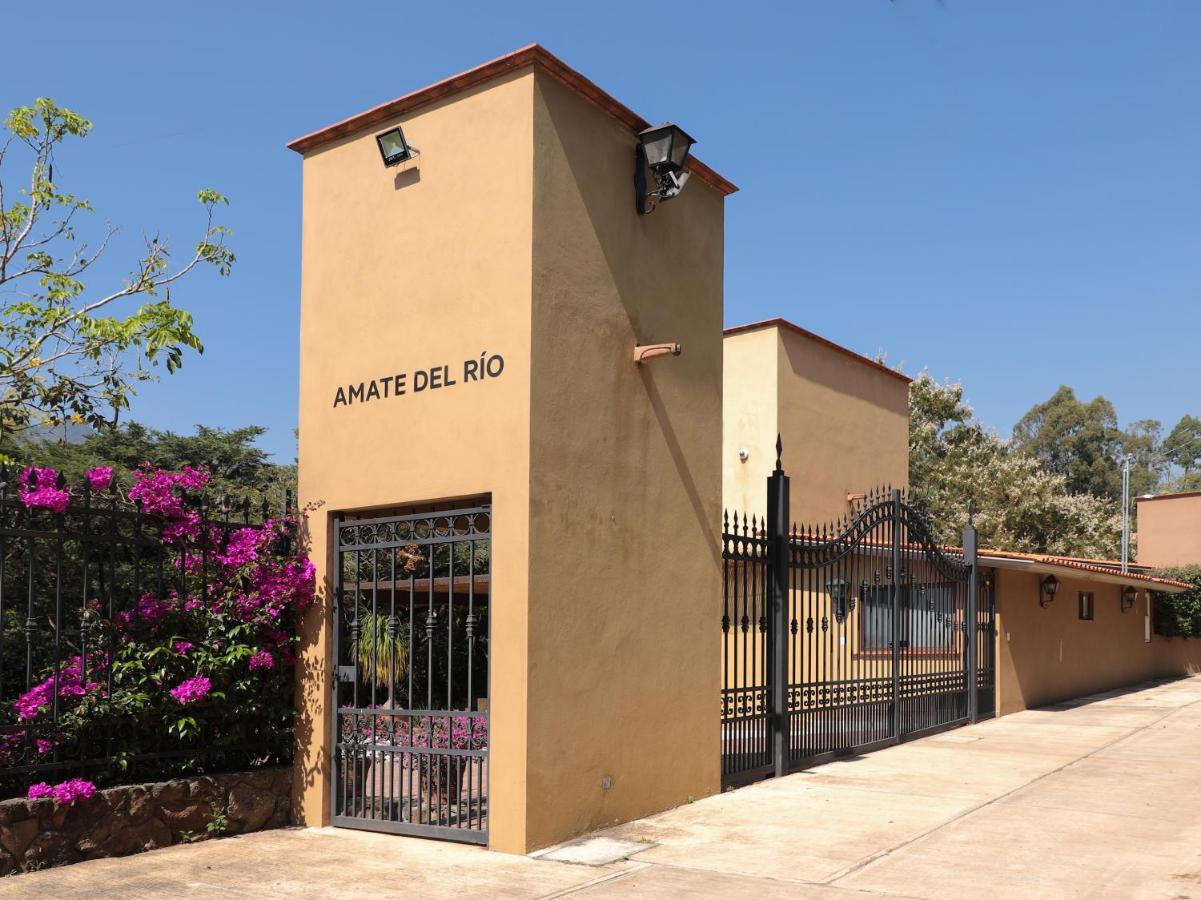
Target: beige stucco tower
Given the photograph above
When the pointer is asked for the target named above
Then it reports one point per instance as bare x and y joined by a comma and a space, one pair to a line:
514, 234
843, 420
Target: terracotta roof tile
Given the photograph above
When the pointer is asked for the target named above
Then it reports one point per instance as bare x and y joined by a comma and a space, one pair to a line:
1102, 567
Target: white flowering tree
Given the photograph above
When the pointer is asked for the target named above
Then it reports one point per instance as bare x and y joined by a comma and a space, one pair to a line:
68, 353
1020, 505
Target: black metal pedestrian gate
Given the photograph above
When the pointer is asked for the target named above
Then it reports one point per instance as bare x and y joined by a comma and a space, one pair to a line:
847, 637
411, 630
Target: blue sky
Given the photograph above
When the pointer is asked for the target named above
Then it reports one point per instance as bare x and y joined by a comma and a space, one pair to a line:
1004, 193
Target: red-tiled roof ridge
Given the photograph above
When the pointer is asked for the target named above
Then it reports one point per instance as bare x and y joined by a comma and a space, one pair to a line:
1101, 567
1067, 562
779, 322
530, 55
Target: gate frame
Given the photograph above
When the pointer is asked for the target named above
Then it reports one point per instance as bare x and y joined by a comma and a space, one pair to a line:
479, 837
776, 595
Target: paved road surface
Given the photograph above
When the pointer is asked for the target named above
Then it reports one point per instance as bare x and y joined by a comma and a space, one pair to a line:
1094, 799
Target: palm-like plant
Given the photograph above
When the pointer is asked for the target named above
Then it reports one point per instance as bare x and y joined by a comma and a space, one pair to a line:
382, 658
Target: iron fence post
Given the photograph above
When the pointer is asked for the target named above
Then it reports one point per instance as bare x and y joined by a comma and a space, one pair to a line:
895, 577
971, 618
777, 562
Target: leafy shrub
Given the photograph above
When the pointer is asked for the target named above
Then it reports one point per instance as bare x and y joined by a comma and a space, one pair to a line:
1179, 615
197, 676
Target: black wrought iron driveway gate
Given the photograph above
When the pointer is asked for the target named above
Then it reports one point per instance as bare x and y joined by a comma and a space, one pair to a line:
411, 629
842, 638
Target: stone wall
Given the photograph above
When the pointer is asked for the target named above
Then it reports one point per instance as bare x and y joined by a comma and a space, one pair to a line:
35, 834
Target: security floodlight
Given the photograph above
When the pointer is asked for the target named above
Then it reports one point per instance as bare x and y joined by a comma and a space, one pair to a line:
1047, 591
393, 147
662, 150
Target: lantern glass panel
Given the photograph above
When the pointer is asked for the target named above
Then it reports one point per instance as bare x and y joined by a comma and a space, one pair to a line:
680, 145
657, 146
392, 146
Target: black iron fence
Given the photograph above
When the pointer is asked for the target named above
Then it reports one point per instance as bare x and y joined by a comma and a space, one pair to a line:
847, 636
78, 582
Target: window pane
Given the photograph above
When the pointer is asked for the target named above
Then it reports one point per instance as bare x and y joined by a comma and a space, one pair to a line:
877, 618
930, 617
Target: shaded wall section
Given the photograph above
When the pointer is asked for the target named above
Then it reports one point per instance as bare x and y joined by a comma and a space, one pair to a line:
1048, 655
625, 481
845, 425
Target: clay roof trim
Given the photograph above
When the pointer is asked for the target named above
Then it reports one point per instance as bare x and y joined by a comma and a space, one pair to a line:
826, 342
531, 55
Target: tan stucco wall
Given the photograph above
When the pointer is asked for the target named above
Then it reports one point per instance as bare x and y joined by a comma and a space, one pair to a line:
1169, 530
845, 427
844, 423
403, 270
750, 418
1048, 655
604, 476
625, 483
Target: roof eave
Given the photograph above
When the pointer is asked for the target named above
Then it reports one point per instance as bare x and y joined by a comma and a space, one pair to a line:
530, 55
816, 338
1047, 567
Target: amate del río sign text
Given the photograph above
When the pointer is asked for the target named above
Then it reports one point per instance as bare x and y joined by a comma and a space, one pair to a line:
477, 368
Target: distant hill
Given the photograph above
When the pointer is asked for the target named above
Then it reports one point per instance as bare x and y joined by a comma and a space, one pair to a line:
70, 433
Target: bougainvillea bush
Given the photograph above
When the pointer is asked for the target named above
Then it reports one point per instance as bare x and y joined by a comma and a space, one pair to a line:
184, 666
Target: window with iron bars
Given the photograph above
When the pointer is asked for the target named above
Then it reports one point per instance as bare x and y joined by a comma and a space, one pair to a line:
927, 619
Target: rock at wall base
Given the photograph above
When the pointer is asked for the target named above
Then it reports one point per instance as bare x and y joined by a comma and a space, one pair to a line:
35, 834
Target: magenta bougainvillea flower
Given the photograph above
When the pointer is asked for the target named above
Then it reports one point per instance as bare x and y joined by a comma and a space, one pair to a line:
191, 690
228, 607
70, 684
242, 549
158, 492
261, 660
40, 490
100, 477
64, 793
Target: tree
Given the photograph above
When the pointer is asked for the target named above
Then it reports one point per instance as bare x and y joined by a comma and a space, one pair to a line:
1182, 447
1080, 441
238, 467
1149, 466
1020, 505
65, 354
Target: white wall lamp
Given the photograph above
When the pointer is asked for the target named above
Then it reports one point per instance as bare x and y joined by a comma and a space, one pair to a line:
646, 352
1047, 590
660, 155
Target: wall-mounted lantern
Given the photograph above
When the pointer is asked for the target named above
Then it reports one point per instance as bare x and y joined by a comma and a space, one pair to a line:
394, 148
661, 153
1129, 596
841, 598
1047, 590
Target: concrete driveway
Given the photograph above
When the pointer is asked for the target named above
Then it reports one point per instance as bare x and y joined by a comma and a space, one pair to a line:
1099, 798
